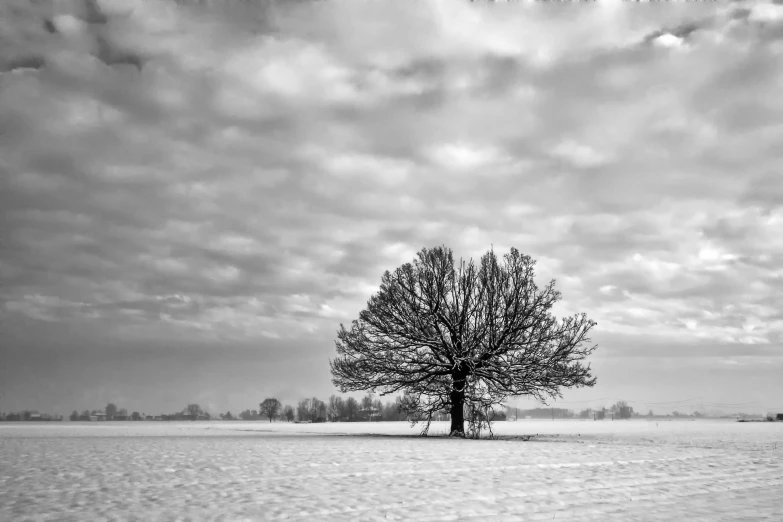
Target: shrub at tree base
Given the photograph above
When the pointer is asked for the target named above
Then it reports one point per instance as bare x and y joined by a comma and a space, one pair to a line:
462, 338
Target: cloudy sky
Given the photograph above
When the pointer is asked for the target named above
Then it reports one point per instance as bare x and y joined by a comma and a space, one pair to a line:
194, 195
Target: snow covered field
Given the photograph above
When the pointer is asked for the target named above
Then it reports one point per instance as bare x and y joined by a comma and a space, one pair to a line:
565, 470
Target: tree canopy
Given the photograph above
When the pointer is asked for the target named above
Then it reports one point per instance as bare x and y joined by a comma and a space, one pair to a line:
194, 410
270, 408
462, 337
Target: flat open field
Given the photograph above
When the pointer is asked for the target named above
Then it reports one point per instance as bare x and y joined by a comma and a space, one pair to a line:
565, 470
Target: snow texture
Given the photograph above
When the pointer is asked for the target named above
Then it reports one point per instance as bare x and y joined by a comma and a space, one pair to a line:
537, 470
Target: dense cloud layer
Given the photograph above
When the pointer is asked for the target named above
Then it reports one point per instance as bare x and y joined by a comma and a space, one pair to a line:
243, 172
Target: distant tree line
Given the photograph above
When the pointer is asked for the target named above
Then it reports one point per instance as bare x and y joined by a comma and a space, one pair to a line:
369, 408
619, 410
345, 409
112, 413
335, 409
29, 416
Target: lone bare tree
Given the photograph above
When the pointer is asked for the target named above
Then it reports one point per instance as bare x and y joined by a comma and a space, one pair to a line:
462, 338
193, 410
270, 408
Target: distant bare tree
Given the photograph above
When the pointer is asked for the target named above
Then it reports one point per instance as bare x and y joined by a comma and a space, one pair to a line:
587, 413
288, 412
303, 410
335, 408
621, 410
366, 404
111, 411
351, 408
317, 410
615, 408
193, 410
270, 408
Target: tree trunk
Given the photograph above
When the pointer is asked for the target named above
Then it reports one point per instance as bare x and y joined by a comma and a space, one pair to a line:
457, 406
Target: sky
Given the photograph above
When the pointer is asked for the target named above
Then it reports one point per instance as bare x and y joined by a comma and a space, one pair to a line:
194, 195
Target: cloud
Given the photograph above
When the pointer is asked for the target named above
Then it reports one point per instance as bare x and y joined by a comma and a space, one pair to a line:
668, 40
579, 155
246, 171
772, 13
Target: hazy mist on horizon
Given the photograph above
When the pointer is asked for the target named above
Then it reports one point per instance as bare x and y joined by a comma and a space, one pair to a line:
194, 197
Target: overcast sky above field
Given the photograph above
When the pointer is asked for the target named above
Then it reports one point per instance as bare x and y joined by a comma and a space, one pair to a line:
195, 196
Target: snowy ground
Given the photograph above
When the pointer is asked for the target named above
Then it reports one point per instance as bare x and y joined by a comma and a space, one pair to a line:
572, 470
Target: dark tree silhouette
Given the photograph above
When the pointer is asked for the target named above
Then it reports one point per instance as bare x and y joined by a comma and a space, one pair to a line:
367, 405
74, 416
317, 410
351, 409
335, 408
111, 411
462, 337
270, 408
193, 410
303, 410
